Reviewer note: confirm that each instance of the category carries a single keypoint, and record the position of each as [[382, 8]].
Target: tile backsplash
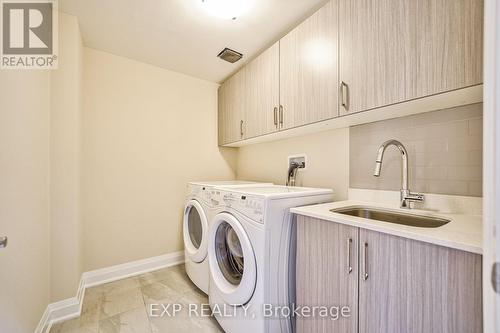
[[444, 148]]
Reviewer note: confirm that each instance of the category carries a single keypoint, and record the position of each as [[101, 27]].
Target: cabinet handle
[[281, 115], [495, 277], [349, 265], [276, 117], [365, 261], [344, 95], [241, 128]]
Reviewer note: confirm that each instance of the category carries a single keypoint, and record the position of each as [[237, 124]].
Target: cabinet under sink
[[391, 284]]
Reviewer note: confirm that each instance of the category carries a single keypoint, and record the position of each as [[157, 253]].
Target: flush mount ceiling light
[[226, 9]]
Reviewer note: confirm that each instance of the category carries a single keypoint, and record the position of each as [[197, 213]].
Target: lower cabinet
[[395, 285], [327, 273]]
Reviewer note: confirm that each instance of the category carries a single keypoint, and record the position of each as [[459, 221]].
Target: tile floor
[[123, 306]]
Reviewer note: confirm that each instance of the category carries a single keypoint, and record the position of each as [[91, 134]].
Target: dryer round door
[[195, 230], [231, 260]]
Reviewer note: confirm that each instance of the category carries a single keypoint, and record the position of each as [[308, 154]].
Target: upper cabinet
[[231, 99], [398, 50], [358, 55], [309, 69], [262, 93]]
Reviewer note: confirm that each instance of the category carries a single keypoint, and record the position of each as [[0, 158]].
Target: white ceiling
[[181, 35]]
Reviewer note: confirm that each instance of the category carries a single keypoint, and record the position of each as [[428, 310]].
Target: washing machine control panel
[[250, 206]]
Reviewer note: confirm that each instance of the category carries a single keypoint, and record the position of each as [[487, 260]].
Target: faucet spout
[[404, 159], [292, 173], [406, 195], [378, 167]]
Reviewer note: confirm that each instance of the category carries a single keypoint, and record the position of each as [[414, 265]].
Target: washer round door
[[231, 260], [195, 231]]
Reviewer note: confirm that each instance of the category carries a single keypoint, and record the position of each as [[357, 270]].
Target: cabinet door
[[309, 69], [232, 108], [327, 273], [262, 86], [417, 287], [397, 50]]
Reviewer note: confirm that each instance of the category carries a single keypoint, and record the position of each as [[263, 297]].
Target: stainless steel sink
[[413, 220]]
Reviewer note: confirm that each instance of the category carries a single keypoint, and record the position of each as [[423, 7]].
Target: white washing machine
[[251, 255], [197, 216]]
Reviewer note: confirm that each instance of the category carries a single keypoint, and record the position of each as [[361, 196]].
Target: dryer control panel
[[206, 196], [215, 198], [250, 206], [200, 192], [193, 190]]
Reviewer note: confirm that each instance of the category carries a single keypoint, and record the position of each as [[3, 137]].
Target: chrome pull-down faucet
[[406, 195]]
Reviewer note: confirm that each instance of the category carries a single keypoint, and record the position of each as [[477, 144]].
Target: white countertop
[[464, 232]]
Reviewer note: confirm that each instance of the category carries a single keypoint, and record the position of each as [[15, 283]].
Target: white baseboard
[[72, 307]]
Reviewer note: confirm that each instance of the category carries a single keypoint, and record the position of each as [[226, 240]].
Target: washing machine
[[197, 216], [251, 256]]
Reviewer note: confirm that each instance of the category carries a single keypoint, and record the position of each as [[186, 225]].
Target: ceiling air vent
[[230, 55]]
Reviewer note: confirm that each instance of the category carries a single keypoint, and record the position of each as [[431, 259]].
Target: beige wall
[[327, 157], [39, 195], [444, 148], [65, 117], [146, 132], [24, 198]]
